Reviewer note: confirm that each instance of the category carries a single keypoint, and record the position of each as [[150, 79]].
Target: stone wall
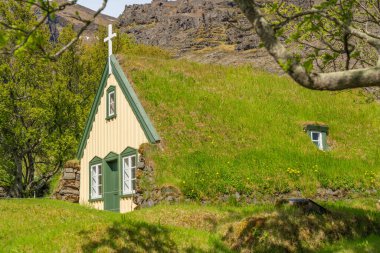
[[68, 188], [147, 192]]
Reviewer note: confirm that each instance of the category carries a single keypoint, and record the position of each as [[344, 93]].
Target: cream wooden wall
[[114, 135]]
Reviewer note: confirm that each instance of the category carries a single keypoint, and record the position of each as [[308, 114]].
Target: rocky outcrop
[[147, 192], [188, 24], [68, 188]]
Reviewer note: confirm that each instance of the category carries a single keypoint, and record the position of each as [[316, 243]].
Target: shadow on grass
[[369, 244], [131, 236], [136, 236], [291, 230]]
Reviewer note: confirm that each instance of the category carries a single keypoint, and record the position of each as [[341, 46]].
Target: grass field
[[43, 225], [235, 129]]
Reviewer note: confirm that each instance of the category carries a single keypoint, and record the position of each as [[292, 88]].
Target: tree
[[42, 103], [24, 33], [333, 45]]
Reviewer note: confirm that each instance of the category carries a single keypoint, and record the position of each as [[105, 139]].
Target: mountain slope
[[67, 17]]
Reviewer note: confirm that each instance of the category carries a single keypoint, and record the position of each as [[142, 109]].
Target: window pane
[[126, 161], [315, 136], [100, 190], [133, 161], [111, 98], [100, 179], [133, 172], [99, 169], [126, 174], [133, 185]]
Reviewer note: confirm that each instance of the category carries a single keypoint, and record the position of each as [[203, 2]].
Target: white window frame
[[128, 181], [94, 170], [319, 142], [110, 114]]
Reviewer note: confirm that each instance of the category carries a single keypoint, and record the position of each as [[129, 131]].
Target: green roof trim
[[134, 102], [96, 160], [130, 95], [111, 156], [128, 151]]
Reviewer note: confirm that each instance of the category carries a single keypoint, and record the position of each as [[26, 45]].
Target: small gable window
[[318, 135], [96, 183], [111, 102], [129, 161]]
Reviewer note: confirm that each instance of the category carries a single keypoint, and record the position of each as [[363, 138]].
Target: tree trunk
[[31, 171], [17, 191]]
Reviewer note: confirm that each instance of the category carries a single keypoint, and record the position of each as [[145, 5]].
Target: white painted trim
[[95, 169], [110, 114], [127, 169], [319, 140]]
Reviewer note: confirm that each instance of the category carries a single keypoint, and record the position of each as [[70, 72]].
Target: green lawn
[[43, 225], [228, 129]]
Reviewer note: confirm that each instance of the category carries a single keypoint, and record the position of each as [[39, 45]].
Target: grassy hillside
[[228, 129], [31, 225]]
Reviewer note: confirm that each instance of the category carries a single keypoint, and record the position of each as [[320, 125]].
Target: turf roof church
[[115, 129]]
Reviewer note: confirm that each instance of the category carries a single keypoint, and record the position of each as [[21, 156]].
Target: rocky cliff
[[191, 24], [186, 25]]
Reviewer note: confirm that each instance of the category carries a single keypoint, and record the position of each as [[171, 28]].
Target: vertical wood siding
[[126, 205], [114, 135]]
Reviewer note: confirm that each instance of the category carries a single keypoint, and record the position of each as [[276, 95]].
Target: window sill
[[95, 200], [127, 195], [110, 117]]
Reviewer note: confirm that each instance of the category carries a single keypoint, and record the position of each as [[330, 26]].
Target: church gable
[[127, 93]]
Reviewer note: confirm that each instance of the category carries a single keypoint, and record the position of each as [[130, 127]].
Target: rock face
[[69, 184], [188, 24]]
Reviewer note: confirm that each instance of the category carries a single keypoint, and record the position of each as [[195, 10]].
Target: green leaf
[[308, 65]]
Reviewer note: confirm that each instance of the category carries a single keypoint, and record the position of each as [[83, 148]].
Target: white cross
[[109, 40]]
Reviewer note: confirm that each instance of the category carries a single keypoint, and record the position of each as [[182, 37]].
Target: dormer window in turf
[[111, 102], [318, 135]]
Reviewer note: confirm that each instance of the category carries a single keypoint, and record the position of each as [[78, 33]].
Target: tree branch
[[318, 81], [74, 40], [50, 10]]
